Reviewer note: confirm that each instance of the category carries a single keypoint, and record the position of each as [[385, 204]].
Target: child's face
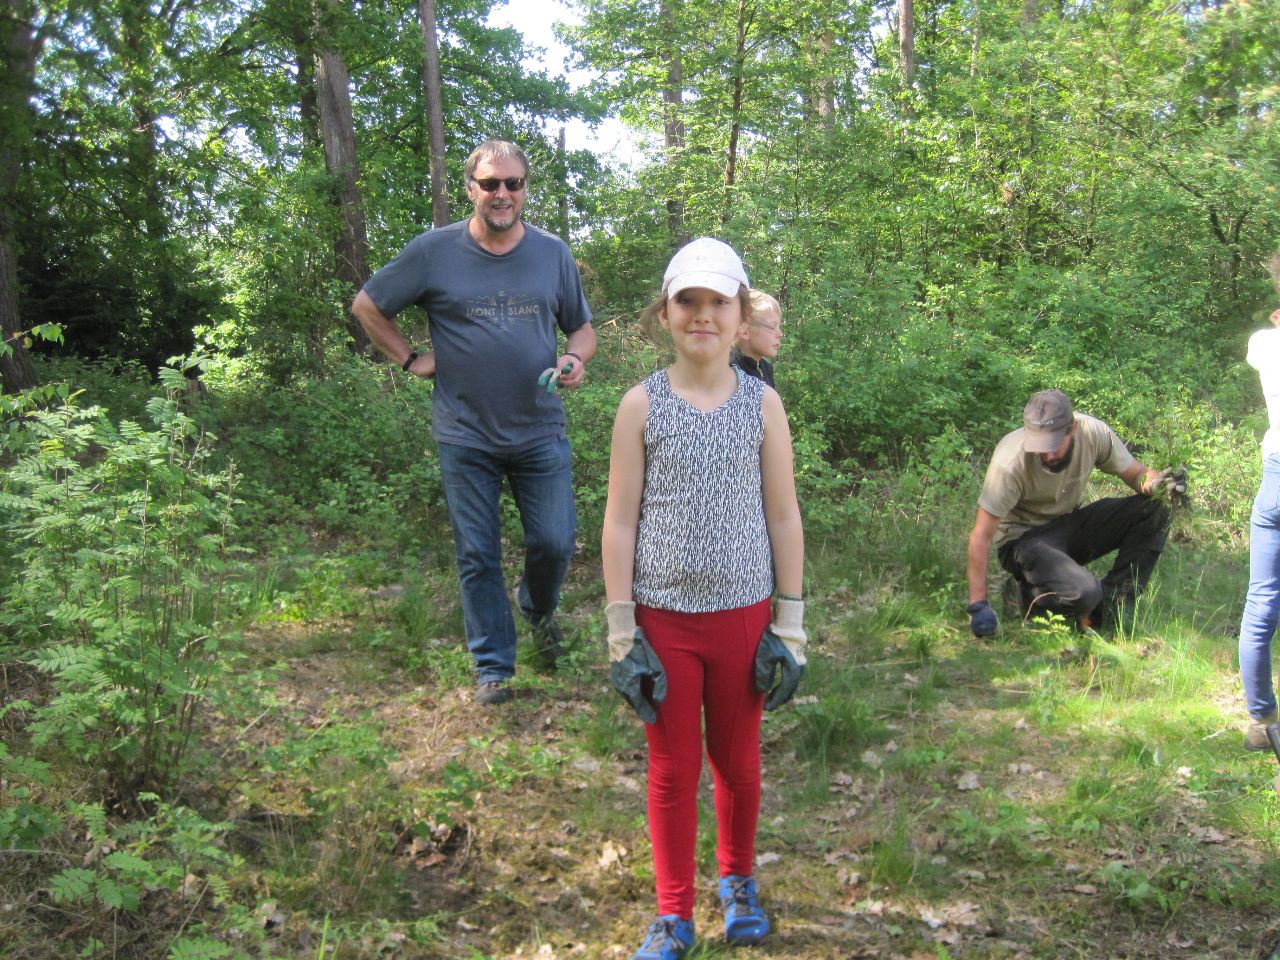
[[763, 335], [703, 324]]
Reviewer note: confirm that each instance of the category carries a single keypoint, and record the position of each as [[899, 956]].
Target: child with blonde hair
[[701, 526], [759, 340]]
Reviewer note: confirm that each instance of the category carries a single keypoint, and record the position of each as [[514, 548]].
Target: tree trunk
[[337, 130], [435, 112], [18, 45], [827, 85], [562, 153], [673, 122], [975, 44], [16, 372], [907, 40], [308, 108], [735, 110]]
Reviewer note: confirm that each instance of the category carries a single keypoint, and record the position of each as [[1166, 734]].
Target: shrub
[[123, 543]]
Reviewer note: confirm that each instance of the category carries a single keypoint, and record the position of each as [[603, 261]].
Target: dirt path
[[913, 808]]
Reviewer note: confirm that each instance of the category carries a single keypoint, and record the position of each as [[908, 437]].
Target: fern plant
[[123, 546]]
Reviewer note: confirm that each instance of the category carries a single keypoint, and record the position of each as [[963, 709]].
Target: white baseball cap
[[705, 262]]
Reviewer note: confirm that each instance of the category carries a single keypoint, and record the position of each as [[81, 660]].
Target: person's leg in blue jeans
[[542, 485], [1262, 603], [472, 482]]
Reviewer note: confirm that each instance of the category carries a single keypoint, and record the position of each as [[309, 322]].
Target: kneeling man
[[1030, 510]]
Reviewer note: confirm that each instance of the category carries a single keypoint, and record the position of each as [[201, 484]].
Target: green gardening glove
[[781, 654], [634, 669], [549, 380]]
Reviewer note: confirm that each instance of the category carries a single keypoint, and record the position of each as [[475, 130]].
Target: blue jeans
[[542, 487], [1262, 604]]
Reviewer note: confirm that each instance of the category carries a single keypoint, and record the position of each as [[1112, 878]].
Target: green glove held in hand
[[549, 379], [633, 665], [781, 653]]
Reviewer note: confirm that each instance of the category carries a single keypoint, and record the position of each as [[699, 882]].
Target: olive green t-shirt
[[1025, 494]]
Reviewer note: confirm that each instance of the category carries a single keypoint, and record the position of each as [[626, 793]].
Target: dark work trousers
[[1048, 562]]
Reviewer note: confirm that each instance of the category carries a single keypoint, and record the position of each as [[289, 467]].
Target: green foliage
[[1077, 196], [124, 542], [1001, 828], [350, 451], [14, 407], [837, 726], [24, 821], [503, 766], [175, 855], [1137, 891], [199, 948], [121, 387]]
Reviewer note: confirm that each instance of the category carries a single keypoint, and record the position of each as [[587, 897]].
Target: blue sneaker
[[744, 921], [668, 939]]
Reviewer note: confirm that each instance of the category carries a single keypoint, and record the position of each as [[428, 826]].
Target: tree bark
[[19, 45], [308, 108], [562, 153], [907, 39], [735, 111], [435, 112], [827, 85], [673, 121], [337, 131]]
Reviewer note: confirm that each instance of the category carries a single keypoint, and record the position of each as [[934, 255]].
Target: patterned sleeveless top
[[701, 544]]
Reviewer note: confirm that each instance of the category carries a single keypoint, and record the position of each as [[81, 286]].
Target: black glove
[[633, 665], [781, 652], [1171, 483], [774, 656], [982, 619], [1177, 487]]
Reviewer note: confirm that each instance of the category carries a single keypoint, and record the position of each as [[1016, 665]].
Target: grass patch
[[1030, 795]]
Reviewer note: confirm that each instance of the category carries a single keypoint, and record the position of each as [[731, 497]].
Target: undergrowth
[[223, 739]]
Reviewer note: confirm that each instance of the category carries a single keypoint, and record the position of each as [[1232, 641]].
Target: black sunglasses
[[490, 184]]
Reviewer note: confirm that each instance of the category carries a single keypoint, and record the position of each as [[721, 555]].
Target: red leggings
[[708, 658]]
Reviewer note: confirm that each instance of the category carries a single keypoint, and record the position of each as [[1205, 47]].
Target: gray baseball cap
[[1046, 421]]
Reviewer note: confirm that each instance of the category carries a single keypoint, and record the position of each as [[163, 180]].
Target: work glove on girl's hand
[[632, 662], [781, 651], [982, 619]]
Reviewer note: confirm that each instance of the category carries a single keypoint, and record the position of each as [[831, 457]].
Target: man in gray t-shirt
[[496, 292], [1029, 509]]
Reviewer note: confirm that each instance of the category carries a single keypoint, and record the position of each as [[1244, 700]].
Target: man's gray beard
[[499, 227]]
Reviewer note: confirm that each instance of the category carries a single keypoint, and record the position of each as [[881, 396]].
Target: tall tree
[[19, 44], [435, 112], [907, 40], [735, 109], [338, 133], [673, 119]]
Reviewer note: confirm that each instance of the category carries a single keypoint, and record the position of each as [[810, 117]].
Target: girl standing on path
[[701, 524]]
